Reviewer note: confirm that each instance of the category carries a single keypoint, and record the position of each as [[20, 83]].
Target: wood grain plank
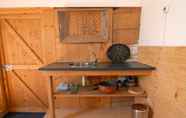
[[23, 40], [165, 87], [126, 24]]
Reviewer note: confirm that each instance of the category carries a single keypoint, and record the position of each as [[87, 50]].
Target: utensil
[[136, 90], [106, 87], [118, 53], [74, 88], [62, 87]]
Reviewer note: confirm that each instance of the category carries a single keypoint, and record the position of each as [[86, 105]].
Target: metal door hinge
[[7, 67]]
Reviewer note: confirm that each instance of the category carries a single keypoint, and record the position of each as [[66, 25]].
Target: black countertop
[[66, 66]]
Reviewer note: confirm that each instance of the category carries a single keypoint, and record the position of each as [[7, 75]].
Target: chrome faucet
[[95, 60]]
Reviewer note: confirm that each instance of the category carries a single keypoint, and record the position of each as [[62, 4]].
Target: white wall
[[152, 18], [68, 3], [176, 24], [161, 29]]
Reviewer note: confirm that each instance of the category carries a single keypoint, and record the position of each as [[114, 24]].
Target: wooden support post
[[51, 98]]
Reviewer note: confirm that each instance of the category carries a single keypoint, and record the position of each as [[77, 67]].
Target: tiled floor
[[25, 115]]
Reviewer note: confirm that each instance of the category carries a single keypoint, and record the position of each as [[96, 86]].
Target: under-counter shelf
[[88, 92], [64, 69]]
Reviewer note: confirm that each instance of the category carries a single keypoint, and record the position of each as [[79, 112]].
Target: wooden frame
[[83, 36], [24, 10]]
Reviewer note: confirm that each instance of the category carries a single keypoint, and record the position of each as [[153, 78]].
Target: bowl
[[106, 89]]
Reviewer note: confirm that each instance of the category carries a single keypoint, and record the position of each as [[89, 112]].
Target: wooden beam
[[7, 11], [101, 73], [25, 67]]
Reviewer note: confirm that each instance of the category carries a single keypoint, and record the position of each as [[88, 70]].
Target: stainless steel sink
[[82, 64], [78, 65]]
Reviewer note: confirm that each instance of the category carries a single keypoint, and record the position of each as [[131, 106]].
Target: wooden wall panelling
[[166, 87], [126, 24], [79, 52], [34, 37], [49, 35]]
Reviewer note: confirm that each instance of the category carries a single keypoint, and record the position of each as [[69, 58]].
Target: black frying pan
[[118, 53]]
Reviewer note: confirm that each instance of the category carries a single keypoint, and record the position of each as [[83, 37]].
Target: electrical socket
[[134, 52], [134, 49], [166, 9]]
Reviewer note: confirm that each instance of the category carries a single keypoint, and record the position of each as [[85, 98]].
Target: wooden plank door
[[24, 53]]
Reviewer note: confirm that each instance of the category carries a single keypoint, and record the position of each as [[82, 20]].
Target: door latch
[[7, 67]]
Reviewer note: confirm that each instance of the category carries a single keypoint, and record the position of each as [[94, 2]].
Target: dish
[[118, 53]]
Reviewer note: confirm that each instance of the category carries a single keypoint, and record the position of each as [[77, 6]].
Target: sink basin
[[82, 64]]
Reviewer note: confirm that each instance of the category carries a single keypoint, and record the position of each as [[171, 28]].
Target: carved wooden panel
[[84, 25]]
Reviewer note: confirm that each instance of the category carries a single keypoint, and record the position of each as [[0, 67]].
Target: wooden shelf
[[87, 92], [101, 73]]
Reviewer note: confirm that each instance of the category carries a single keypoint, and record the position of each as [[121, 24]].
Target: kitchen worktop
[[84, 70], [67, 66]]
